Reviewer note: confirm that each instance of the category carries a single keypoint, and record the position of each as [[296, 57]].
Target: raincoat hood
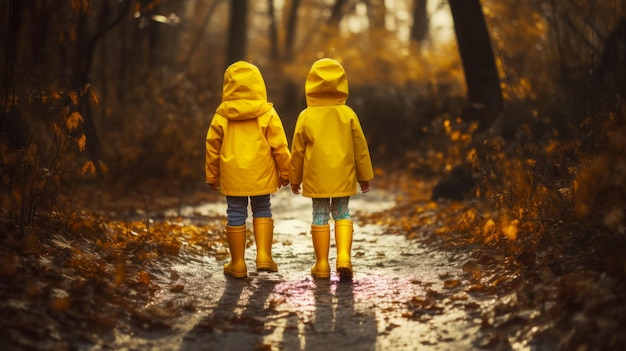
[[326, 84], [244, 95]]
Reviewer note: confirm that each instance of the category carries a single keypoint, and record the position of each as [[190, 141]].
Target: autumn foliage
[[96, 145], [542, 223]]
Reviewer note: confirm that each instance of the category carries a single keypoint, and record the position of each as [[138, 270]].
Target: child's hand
[[215, 186], [295, 188], [284, 182], [365, 186]]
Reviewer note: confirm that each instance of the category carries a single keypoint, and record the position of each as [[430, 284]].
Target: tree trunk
[[609, 79], [12, 131], [85, 48], [481, 76], [236, 50], [292, 21], [194, 45], [273, 32], [419, 29], [376, 13], [155, 53], [337, 14]]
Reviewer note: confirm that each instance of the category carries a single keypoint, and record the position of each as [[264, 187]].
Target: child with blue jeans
[[247, 158]]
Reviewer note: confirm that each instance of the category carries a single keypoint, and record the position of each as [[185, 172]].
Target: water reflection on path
[[290, 310]]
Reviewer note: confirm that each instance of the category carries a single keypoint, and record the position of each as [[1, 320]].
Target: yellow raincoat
[[246, 146], [329, 152]]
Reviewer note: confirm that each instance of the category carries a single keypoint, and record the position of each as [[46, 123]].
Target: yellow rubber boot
[[263, 237], [343, 240], [321, 245], [236, 237]]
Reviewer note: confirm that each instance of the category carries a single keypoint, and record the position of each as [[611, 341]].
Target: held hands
[[295, 188], [365, 186]]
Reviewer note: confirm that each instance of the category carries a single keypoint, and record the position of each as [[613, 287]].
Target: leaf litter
[[559, 295], [76, 287], [73, 287]]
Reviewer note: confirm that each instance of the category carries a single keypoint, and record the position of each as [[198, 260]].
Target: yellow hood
[[244, 95], [326, 84]]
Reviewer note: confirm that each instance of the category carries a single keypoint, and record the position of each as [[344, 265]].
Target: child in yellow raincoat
[[329, 154], [247, 157]]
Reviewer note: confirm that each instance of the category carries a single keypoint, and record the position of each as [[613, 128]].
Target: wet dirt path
[[398, 299]]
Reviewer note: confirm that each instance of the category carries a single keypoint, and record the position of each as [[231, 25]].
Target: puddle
[[290, 310]]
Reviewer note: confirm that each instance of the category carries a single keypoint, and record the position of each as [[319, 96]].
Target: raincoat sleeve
[[214, 138], [277, 140], [298, 146], [362, 159]]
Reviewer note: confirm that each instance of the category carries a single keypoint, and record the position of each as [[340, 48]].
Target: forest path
[[404, 295]]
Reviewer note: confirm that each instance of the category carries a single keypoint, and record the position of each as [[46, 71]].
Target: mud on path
[[404, 296]]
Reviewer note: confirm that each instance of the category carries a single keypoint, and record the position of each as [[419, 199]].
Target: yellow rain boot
[[343, 240], [236, 237], [321, 245], [263, 236]]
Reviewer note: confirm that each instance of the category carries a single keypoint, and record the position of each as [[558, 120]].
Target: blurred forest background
[[126, 89], [515, 107], [525, 99]]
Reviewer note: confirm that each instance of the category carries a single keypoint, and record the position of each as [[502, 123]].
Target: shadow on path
[[237, 322], [290, 310]]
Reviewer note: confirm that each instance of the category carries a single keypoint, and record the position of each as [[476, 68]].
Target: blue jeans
[[237, 210], [337, 206]]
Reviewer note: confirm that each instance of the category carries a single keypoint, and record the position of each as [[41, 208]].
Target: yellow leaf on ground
[[144, 277], [489, 227], [510, 230], [61, 304], [451, 283]]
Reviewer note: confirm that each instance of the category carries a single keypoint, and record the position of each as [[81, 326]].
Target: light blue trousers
[[323, 208]]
